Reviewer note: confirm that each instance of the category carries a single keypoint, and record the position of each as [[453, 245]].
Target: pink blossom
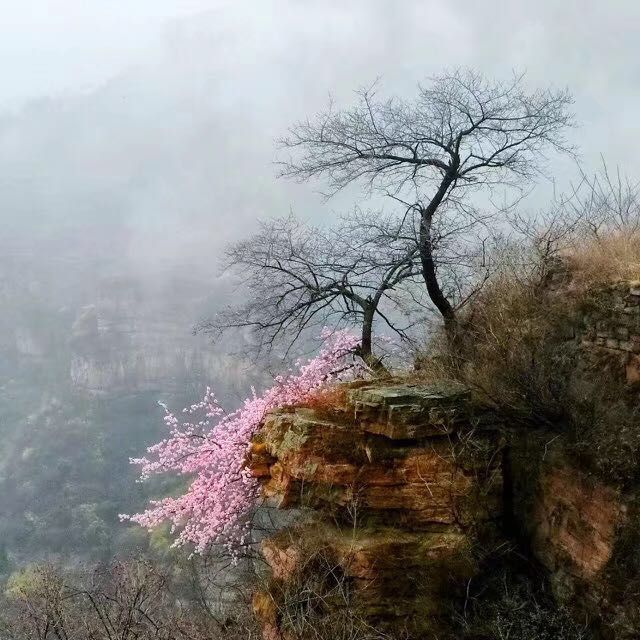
[[211, 446]]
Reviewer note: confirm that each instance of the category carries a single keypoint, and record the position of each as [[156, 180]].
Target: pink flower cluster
[[211, 446]]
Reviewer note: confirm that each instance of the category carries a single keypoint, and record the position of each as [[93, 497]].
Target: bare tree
[[461, 134], [599, 206], [124, 600], [299, 276], [606, 201]]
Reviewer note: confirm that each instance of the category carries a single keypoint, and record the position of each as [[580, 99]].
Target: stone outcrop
[[576, 530], [403, 481], [399, 485], [580, 528], [575, 523], [612, 327]]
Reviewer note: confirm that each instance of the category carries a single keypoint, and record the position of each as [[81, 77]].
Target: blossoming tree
[[210, 446]]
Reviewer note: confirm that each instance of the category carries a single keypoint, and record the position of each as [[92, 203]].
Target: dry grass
[[514, 352], [123, 599], [326, 399], [512, 604], [315, 601], [596, 260], [518, 353]]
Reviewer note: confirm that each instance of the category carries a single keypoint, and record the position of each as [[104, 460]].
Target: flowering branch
[[217, 505]]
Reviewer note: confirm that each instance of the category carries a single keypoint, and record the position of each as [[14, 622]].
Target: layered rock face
[[131, 340], [575, 523], [578, 531], [581, 527], [403, 481]]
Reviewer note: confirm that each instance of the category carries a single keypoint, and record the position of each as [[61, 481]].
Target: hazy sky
[[148, 125], [53, 46]]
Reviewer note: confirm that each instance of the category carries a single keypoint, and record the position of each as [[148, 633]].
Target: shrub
[[519, 349], [316, 600], [511, 600], [514, 351], [124, 599]]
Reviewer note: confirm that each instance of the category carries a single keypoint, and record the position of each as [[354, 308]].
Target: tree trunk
[[366, 344], [429, 272]]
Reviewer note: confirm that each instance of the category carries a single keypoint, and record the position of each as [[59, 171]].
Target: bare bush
[[513, 606], [123, 600], [520, 350], [317, 600]]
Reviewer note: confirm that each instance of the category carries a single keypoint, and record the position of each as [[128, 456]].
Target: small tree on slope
[[210, 446]]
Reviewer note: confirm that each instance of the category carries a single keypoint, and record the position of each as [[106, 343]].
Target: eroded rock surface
[[577, 530], [403, 480], [577, 519]]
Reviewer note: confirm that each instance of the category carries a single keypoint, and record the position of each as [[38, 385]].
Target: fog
[[147, 132], [137, 139]]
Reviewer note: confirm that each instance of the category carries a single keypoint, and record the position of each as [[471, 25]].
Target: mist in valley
[[136, 142]]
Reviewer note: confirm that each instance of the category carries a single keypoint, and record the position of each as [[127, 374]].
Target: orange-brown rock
[[265, 609], [259, 459], [424, 481], [576, 522], [400, 477], [582, 530], [390, 575], [282, 555]]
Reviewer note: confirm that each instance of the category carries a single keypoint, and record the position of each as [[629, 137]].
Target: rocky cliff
[[82, 325], [406, 488], [131, 340], [403, 481]]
